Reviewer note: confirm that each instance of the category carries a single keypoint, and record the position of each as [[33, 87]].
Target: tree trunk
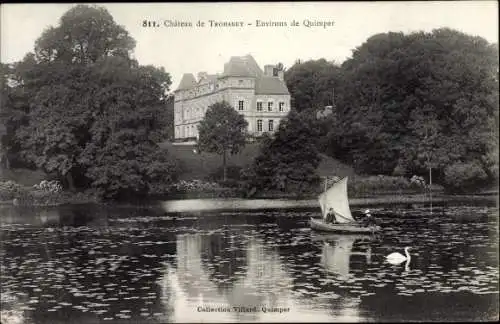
[[4, 160], [69, 179], [224, 167]]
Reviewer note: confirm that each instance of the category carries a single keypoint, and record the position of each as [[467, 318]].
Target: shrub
[[417, 181], [49, 186], [10, 190], [370, 185], [464, 176], [194, 186]]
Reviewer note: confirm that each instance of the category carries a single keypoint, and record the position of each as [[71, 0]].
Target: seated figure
[[368, 220], [330, 216]]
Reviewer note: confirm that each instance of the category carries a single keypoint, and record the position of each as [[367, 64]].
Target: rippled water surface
[[143, 265]]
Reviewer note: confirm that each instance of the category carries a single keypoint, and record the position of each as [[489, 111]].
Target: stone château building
[[260, 96]]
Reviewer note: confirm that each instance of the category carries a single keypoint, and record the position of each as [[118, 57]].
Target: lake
[[97, 264]]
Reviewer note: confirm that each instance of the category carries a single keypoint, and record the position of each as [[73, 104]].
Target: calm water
[[131, 265]]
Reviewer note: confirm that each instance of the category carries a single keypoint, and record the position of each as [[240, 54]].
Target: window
[[241, 104], [270, 106], [259, 105], [259, 125], [271, 125], [240, 81], [282, 106]]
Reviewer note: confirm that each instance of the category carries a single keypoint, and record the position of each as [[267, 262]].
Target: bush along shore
[[46, 193], [388, 189]]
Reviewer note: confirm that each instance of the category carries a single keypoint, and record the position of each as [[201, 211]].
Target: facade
[[260, 96]]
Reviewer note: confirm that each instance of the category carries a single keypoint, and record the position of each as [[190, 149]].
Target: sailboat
[[336, 198]]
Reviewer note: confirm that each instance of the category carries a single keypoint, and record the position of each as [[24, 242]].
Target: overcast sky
[[184, 49]]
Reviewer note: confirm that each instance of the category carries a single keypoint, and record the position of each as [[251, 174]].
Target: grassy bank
[[201, 166]]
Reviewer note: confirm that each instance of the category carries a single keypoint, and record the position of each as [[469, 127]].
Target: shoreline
[[215, 204], [189, 205]]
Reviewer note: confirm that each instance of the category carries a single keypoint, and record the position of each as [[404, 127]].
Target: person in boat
[[368, 220], [331, 216]]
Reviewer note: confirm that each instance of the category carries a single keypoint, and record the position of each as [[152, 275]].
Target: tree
[[19, 81], [288, 160], [165, 120], [86, 108], [4, 117], [397, 86], [312, 83], [222, 131], [85, 35]]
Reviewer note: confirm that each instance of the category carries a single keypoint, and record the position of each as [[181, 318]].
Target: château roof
[[270, 85], [244, 66], [188, 81], [240, 66]]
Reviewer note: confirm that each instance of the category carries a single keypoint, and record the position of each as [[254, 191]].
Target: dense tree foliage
[[409, 102], [4, 101], [83, 109], [312, 83], [288, 160], [85, 35], [222, 131]]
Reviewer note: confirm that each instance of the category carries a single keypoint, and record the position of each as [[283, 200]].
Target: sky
[[193, 49]]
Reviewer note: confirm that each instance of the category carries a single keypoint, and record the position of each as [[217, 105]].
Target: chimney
[[202, 75], [268, 69]]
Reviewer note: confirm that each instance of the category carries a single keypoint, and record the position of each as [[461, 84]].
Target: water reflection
[[337, 251], [260, 280]]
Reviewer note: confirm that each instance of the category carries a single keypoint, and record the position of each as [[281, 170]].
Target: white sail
[[336, 198]]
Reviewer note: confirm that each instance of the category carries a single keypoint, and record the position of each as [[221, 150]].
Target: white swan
[[397, 258]]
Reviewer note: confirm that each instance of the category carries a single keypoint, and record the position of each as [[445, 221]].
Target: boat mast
[[429, 165]]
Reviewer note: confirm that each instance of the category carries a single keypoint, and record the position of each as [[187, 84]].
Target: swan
[[397, 258]]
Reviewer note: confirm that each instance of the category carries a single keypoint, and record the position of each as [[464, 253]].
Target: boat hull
[[320, 225]]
